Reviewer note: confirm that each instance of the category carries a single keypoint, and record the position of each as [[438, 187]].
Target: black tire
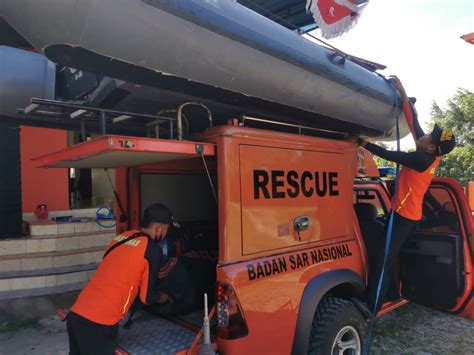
[[337, 318]]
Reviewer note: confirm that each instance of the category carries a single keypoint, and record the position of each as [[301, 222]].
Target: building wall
[[48, 186], [10, 182]]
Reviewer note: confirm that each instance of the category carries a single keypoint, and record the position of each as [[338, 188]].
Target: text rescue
[[280, 184]]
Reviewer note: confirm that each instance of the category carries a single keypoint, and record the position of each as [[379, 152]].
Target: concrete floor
[[18, 309], [48, 338]]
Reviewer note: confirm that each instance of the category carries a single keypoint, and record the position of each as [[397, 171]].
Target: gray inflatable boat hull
[[218, 43]]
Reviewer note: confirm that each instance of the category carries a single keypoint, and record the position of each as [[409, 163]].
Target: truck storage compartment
[[190, 268], [172, 173]]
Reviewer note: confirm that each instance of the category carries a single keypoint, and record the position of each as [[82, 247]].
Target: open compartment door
[[436, 262], [122, 151]]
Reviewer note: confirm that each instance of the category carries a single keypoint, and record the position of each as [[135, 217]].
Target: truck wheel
[[338, 328]]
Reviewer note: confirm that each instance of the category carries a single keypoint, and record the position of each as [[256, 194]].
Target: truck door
[[436, 262], [121, 153]]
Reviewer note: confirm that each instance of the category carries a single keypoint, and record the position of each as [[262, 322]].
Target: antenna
[[206, 346]]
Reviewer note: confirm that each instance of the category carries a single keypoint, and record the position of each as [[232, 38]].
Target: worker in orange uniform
[[129, 268], [418, 169]]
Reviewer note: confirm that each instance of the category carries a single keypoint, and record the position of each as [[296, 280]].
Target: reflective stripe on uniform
[[404, 200], [128, 300]]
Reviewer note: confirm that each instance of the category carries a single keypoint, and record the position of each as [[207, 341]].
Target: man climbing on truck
[[415, 177], [130, 266]]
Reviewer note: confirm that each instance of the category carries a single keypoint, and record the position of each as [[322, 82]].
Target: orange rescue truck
[[294, 222]]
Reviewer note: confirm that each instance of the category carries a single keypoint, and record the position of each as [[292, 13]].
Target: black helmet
[[157, 213]]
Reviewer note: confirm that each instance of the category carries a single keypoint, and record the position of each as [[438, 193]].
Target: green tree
[[459, 118], [459, 164]]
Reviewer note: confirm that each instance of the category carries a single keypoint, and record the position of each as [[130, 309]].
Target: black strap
[[117, 197], [123, 241]]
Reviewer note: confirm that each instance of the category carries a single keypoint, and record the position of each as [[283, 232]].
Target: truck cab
[[438, 255], [293, 222]]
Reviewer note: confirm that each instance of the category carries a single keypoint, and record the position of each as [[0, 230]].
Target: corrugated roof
[[289, 13]]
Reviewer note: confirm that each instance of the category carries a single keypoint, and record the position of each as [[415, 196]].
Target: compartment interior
[[191, 255]]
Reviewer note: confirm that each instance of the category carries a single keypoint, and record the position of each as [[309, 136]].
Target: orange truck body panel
[[270, 291], [266, 180], [261, 256], [258, 246], [366, 166], [470, 193], [244, 153]]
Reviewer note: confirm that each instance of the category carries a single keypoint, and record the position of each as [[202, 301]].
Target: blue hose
[[109, 216], [387, 249]]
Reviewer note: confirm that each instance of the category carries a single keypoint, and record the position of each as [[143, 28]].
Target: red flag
[[334, 17], [469, 38]]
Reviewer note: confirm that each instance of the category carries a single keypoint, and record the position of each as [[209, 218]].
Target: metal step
[[151, 335]]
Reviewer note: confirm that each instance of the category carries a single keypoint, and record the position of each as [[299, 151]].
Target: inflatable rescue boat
[[215, 50]]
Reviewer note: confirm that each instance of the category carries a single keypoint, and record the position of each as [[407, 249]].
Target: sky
[[419, 41]]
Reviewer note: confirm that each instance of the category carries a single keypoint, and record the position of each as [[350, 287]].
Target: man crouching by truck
[[129, 267], [414, 180]]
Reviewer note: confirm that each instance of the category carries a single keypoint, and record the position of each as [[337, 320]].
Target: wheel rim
[[346, 342]]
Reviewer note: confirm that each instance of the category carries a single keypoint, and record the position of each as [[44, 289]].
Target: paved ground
[[48, 337], [417, 330], [410, 330]]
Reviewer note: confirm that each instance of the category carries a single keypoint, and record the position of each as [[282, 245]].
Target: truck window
[[371, 215], [439, 212], [372, 197]]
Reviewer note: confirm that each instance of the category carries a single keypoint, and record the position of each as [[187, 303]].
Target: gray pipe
[[180, 116]]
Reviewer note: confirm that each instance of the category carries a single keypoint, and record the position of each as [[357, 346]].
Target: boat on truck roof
[[231, 58]]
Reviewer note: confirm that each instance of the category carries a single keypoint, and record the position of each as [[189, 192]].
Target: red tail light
[[120, 351], [230, 318]]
